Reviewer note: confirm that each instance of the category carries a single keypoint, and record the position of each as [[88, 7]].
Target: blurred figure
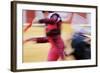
[[53, 32], [81, 45]]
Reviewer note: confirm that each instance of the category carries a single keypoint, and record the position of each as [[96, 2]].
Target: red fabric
[[82, 14], [57, 48], [30, 15], [57, 44]]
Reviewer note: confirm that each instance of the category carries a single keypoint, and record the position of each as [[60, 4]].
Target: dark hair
[[58, 16], [54, 15], [47, 11]]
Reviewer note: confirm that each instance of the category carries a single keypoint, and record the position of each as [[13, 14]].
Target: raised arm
[[27, 27], [47, 21], [37, 40]]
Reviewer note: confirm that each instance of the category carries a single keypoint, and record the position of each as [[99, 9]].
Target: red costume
[[53, 32]]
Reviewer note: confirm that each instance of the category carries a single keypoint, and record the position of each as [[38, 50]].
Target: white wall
[[5, 38], [84, 2]]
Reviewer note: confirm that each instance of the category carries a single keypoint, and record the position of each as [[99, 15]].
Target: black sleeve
[[47, 21], [42, 40]]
